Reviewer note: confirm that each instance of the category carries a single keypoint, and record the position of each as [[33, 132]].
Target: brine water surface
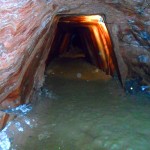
[[81, 108]]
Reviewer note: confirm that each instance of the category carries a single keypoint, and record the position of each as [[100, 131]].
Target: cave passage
[[84, 36], [79, 107]]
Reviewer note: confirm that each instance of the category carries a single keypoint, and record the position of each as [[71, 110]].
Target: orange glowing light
[[102, 50]]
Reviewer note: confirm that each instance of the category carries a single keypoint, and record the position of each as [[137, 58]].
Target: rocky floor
[[80, 108]]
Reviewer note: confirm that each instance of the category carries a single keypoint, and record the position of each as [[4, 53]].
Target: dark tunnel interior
[[84, 36]]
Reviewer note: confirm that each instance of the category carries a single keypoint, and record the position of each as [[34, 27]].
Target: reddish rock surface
[[27, 29]]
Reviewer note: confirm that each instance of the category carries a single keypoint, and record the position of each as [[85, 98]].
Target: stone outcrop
[[27, 29]]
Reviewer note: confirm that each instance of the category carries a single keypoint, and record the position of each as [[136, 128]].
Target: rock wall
[[26, 33]]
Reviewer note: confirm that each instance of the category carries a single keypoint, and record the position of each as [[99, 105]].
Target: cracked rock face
[[26, 33]]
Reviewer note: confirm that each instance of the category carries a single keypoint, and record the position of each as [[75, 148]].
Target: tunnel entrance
[[85, 36]]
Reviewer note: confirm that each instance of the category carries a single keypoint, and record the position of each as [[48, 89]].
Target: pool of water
[[81, 108]]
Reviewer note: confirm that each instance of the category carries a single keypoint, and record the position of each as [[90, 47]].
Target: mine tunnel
[[88, 36], [74, 75]]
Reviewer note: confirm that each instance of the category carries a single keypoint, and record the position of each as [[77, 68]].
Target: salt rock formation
[[27, 29]]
